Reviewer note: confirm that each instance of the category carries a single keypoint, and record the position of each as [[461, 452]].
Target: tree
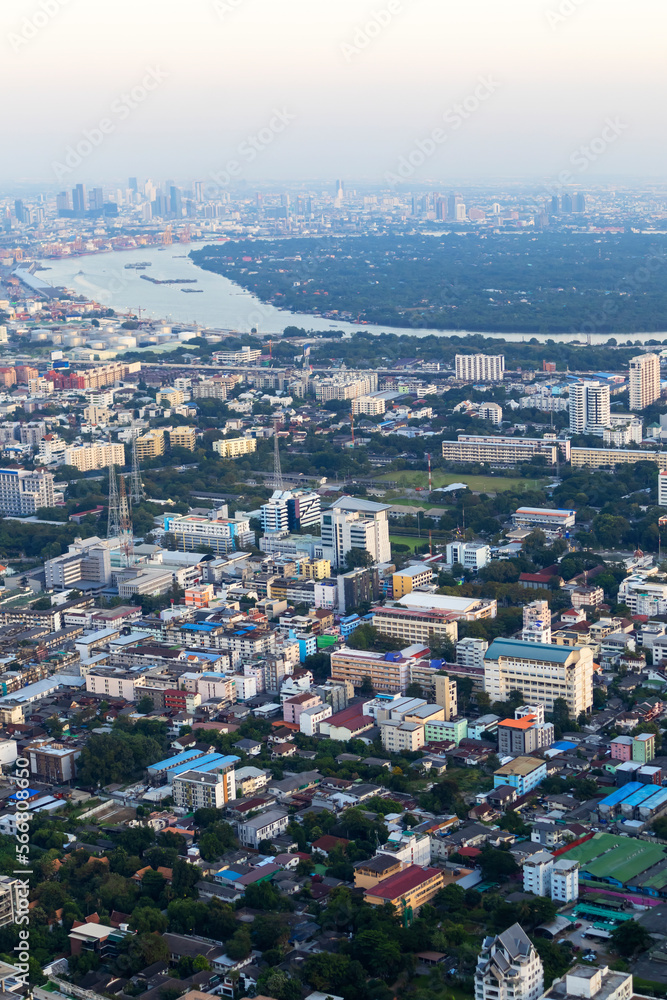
[[629, 938], [239, 945], [357, 558], [145, 705], [496, 865]]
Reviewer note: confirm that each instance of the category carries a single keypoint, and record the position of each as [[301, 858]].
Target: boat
[[192, 291]]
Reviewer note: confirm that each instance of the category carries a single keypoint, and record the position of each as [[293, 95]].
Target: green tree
[[629, 938]]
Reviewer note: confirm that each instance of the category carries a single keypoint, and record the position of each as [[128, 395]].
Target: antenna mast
[[277, 471], [137, 492], [113, 525], [126, 533]]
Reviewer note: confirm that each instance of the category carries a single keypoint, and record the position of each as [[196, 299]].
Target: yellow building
[[595, 458], [408, 890], [233, 447], [151, 444], [446, 695], [94, 456], [368, 873], [170, 397], [316, 569], [183, 437], [406, 580], [411, 625]]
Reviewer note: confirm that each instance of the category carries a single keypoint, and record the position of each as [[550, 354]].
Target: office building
[[589, 407], [22, 493], [509, 968], [404, 581], [355, 524], [408, 890], [290, 510], [644, 381], [416, 625], [552, 521], [480, 367], [94, 456], [235, 447], [387, 672], [192, 532], [86, 565], [524, 735], [470, 555], [522, 773], [369, 406], [544, 673]]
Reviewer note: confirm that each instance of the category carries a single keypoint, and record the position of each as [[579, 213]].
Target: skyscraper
[[579, 202], [132, 184], [79, 199], [96, 199], [452, 201], [644, 381], [555, 205], [20, 211], [566, 204], [589, 408], [199, 191], [480, 367], [175, 202]]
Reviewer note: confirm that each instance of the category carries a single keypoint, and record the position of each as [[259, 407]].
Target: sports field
[[620, 858], [478, 484]]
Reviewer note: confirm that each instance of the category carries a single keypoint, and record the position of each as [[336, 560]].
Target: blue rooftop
[[163, 765], [624, 792], [562, 745]]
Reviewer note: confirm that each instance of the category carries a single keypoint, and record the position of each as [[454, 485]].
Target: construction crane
[[185, 235], [167, 237]]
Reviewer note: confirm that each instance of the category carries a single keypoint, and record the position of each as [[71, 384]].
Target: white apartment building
[[222, 534], [311, 719], [409, 848], [94, 456], [537, 611], [369, 406], [470, 555], [644, 381], [662, 488], [346, 385], [203, 790], [637, 590], [401, 736], [543, 875], [10, 907], [266, 826], [355, 524], [235, 447], [565, 881], [491, 412], [509, 968], [52, 449], [480, 367], [543, 672], [245, 356], [115, 683], [470, 652], [589, 407], [624, 429], [586, 983], [537, 873], [22, 492]]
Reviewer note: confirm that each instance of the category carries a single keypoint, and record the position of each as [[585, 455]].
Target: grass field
[[478, 484], [410, 540]]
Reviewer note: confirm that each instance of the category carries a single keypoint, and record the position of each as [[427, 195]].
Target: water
[[223, 304]]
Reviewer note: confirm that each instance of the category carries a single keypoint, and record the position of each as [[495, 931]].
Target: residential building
[[52, 763], [346, 385], [151, 444], [565, 880], [491, 412], [523, 773], [22, 493], [470, 555], [170, 398], [114, 683], [439, 730], [94, 456], [509, 968], [235, 447], [408, 848], [10, 902], [639, 592], [290, 510], [445, 694], [246, 355], [355, 524], [644, 382], [544, 875], [544, 673], [369, 406], [312, 718], [217, 387], [407, 891], [410, 578], [537, 873], [183, 437], [643, 747], [204, 790], [470, 652], [589, 407], [265, 826], [399, 737], [495, 451], [480, 367], [625, 430], [597, 458], [662, 488], [524, 735], [359, 586], [390, 672]]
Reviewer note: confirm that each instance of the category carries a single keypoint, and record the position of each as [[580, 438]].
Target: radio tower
[[113, 527], [277, 471], [137, 492], [126, 534], [430, 477]]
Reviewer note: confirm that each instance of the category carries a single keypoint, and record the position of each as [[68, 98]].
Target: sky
[[415, 90]]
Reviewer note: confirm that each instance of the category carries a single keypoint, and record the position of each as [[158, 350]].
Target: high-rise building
[[23, 492], [96, 199], [542, 672], [290, 510], [79, 199], [22, 214], [132, 184], [566, 204], [544, 876], [644, 381], [509, 968], [555, 205], [579, 202], [589, 408], [63, 202], [355, 524], [480, 367]]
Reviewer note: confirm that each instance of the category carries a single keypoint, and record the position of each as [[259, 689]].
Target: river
[[222, 304]]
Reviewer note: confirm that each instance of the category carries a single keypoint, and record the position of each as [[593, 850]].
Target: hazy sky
[[362, 96]]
